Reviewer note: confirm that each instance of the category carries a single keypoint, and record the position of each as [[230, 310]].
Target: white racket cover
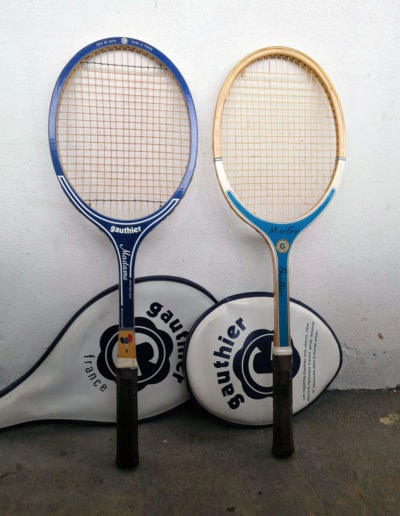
[[75, 378], [228, 359]]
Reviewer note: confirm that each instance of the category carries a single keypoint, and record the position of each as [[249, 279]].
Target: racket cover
[[228, 358], [75, 378]]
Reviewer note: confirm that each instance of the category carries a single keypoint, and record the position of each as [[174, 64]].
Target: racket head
[[278, 136], [122, 130]]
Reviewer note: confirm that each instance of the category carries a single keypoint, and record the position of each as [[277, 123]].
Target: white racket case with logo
[[228, 358], [75, 378]]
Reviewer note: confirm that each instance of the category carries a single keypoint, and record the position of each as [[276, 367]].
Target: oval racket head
[[278, 134], [122, 128]]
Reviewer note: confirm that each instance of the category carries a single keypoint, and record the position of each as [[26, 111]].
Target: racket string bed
[[123, 133], [278, 139]]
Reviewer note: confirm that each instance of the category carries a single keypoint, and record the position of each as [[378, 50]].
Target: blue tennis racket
[[123, 141], [279, 141]]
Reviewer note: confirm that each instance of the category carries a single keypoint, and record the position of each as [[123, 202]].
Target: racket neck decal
[[281, 237], [278, 231]]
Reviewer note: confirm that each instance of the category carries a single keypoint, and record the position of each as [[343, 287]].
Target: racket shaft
[[282, 445], [127, 418]]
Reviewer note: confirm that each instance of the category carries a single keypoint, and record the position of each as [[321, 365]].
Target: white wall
[[344, 266]]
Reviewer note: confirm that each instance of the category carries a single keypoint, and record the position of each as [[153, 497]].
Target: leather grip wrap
[[282, 444], [127, 418]]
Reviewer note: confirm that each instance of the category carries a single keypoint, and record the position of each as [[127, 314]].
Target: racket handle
[[127, 418], [282, 443]]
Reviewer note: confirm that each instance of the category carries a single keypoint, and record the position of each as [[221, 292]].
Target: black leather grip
[[282, 445], [127, 419]]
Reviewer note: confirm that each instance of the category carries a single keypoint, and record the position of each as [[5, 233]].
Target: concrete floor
[[347, 462]]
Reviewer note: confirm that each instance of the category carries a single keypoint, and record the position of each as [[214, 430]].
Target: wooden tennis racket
[[279, 143]]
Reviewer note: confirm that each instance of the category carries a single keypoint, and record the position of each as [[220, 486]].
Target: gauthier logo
[[247, 358], [157, 335]]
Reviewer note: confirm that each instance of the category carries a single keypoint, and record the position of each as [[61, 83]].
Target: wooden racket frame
[[299, 58], [283, 434]]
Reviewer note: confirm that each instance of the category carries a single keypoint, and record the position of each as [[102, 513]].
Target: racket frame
[[125, 236], [280, 237]]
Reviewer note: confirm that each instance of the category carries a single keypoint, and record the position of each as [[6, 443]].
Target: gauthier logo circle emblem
[[154, 349], [282, 246], [253, 362]]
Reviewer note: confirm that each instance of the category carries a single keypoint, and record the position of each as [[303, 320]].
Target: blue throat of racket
[[279, 155], [123, 141]]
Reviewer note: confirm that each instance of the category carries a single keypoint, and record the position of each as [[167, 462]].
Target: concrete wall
[[344, 266]]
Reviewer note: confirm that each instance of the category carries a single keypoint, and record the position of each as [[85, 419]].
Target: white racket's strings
[[278, 138], [123, 132]]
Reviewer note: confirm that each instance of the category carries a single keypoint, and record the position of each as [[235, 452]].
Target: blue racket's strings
[[123, 132], [278, 138]]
